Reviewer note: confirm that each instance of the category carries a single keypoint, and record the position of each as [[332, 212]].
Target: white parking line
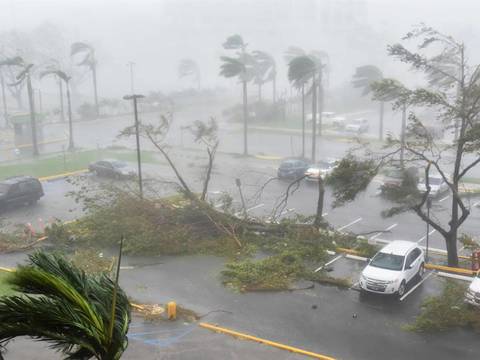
[[324, 214], [252, 208], [255, 207], [380, 233], [353, 222], [476, 204], [445, 198], [329, 263], [284, 212], [425, 236], [416, 286]]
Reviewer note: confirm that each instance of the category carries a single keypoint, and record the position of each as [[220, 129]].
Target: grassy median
[[5, 289], [59, 164]]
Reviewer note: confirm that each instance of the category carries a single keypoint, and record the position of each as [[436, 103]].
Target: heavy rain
[[243, 179]]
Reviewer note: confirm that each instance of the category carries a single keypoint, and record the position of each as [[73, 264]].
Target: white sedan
[[392, 268]]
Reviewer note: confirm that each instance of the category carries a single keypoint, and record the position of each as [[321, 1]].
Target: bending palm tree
[[64, 77], [267, 71], [363, 78], [241, 67], [62, 305], [90, 61], [25, 75], [303, 70], [188, 67]]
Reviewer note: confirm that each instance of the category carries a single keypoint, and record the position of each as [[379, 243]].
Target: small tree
[[453, 91]]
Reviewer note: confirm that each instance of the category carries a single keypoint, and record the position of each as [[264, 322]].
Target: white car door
[[412, 264]]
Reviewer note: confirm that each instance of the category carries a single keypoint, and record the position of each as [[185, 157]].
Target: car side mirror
[[409, 267]]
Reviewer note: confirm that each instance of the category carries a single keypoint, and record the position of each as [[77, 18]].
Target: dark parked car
[[112, 168], [293, 168], [20, 190]]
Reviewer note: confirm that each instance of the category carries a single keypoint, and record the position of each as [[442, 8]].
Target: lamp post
[[137, 136], [429, 205]]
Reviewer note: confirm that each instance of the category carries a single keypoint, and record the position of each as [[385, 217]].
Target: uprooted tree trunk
[[321, 198]]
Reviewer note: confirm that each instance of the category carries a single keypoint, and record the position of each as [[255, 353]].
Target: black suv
[[20, 190]]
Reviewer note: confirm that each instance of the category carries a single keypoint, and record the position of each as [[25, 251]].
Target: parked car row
[[296, 168], [27, 190], [355, 126]]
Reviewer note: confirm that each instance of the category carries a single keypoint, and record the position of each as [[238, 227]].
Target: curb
[[58, 176], [267, 157], [264, 341], [450, 269]]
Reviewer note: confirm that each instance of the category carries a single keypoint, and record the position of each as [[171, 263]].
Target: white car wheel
[[401, 289], [421, 270]]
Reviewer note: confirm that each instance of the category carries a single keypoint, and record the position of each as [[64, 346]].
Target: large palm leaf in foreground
[[62, 305]]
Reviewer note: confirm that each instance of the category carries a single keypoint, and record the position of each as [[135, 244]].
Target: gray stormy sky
[[157, 34]]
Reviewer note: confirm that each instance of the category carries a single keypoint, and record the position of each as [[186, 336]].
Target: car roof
[[16, 179], [398, 247]]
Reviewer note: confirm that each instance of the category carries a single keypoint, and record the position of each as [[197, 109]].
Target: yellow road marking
[[58, 176], [450, 269], [265, 342]]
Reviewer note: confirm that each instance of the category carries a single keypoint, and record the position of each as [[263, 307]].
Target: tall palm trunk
[[402, 135], [95, 94], [320, 105], [4, 99], [303, 121], [71, 145], [382, 110], [60, 91], [274, 82], [245, 118], [33, 124], [314, 117]]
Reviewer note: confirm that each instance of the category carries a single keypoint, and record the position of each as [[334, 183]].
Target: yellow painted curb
[[268, 157], [58, 176], [450, 269], [6, 269], [265, 342], [40, 143]]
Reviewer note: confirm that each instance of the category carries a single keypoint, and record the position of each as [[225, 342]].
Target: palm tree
[[266, 71], [188, 67], [67, 308], [90, 61], [302, 71], [242, 67], [322, 61], [25, 75], [65, 78], [363, 78]]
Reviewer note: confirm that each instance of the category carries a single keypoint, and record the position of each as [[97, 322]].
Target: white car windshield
[[387, 261]]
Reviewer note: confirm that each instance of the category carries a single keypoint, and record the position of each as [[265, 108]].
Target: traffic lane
[[319, 319]]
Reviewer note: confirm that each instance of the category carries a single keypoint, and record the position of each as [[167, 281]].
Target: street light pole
[[429, 205], [137, 136], [131, 64]]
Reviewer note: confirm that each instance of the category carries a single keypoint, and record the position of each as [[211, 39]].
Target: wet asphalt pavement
[[327, 320]]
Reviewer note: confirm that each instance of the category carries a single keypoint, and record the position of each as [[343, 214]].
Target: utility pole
[[131, 64], [4, 98], [429, 205], [137, 136]]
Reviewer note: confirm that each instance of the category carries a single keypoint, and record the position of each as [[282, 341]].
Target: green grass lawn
[[72, 162], [4, 288]]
